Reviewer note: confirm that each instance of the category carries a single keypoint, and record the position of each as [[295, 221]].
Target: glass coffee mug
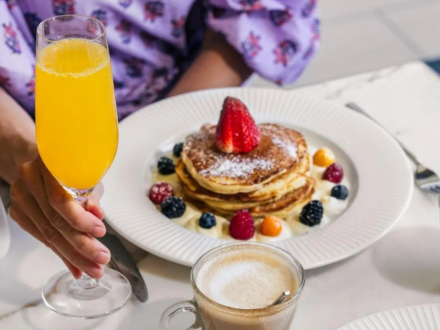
[[235, 285]]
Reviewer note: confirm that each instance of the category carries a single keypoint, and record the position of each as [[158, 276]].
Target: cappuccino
[[246, 279], [238, 283]]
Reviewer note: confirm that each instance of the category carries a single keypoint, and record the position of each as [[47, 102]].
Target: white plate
[[425, 317], [375, 165], [5, 236]]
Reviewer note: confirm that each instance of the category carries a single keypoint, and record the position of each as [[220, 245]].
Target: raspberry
[[339, 192], [166, 166], [333, 173], [173, 207], [311, 214], [159, 191], [242, 226], [177, 150], [207, 220]]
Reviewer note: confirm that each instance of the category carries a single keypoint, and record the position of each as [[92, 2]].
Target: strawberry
[[236, 129]]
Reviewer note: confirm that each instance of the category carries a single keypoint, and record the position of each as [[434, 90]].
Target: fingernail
[[103, 257], [95, 271], [98, 231]]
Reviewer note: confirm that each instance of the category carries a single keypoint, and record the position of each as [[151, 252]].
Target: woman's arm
[[218, 65], [17, 138], [275, 39]]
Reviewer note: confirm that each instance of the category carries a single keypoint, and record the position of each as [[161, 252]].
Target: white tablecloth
[[401, 269]]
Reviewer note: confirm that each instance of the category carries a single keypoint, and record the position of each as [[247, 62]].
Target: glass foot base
[[86, 298]]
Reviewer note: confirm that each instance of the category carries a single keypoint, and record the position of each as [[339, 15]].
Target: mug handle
[[181, 307]]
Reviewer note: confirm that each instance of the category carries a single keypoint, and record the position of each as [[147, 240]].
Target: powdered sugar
[[288, 146], [236, 167], [277, 151]]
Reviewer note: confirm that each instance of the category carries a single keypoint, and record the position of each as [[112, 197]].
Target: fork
[[425, 178]]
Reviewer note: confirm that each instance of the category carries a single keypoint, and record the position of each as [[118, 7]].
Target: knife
[[122, 261]]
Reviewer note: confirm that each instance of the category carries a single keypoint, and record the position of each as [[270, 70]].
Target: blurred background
[[365, 35]]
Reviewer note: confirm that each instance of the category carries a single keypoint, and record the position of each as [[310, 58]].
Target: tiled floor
[[364, 35]]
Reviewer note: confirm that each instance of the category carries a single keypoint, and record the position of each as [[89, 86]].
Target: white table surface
[[401, 269]]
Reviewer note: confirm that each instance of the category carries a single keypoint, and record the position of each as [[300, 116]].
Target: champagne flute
[[77, 137]]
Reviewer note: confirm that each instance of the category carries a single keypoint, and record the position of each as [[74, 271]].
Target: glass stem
[[86, 282], [81, 196], [82, 200]]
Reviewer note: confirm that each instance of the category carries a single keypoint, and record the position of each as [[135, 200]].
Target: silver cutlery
[[281, 298], [425, 178], [122, 261]]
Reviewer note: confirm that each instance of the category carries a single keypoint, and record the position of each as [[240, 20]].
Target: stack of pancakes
[[272, 179]]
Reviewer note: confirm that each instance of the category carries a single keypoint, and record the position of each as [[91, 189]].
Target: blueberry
[[311, 214], [339, 192], [173, 207], [165, 165], [207, 220], [177, 150]]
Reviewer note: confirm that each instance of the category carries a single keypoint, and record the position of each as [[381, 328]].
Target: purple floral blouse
[[152, 42]]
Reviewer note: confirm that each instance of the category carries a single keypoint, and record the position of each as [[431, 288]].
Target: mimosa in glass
[[77, 137], [76, 124]]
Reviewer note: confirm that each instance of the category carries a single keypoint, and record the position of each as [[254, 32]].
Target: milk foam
[[245, 279]]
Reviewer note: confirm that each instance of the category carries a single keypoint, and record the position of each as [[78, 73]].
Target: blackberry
[[207, 220], [166, 166], [173, 207], [311, 214], [339, 192], [177, 150]]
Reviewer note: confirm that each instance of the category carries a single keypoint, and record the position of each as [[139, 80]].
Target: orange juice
[[76, 123]]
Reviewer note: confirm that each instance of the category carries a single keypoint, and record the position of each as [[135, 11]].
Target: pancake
[[282, 207], [281, 185], [243, 204], [239, 205], [279, 151]]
